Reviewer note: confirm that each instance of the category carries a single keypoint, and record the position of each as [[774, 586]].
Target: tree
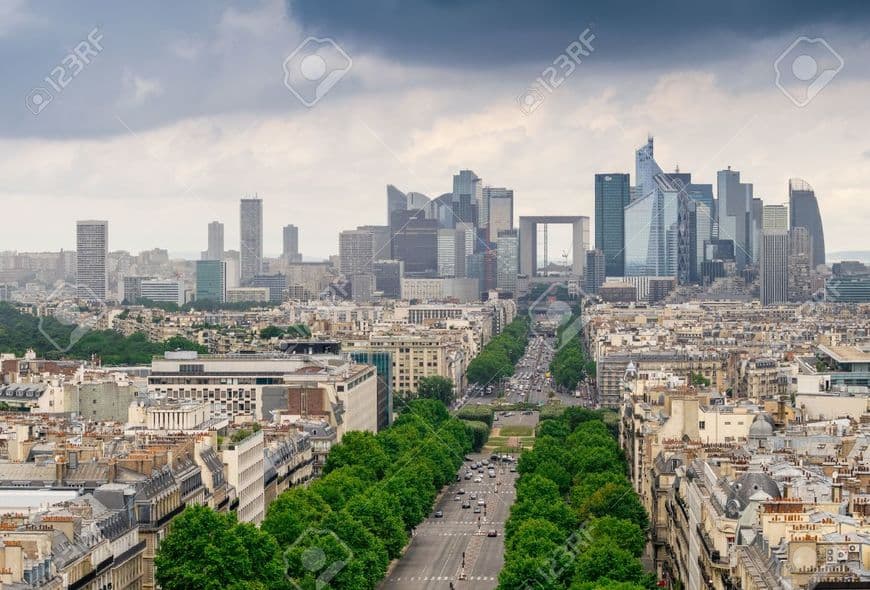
[[620, 532], [292, 512], [340, 486], [435, 387], [190, 559], [615, 499], [358, 448], [479, 432], [377, 513], [432, 412], [607, 560]]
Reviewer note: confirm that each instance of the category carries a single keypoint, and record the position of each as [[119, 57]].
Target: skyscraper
[[735, 211], [380, 240], [774, 266], [799, 255], [92, 248], [594, 276], [355, 252], [612, 196], [451, 252], [468, 199], [653, 232], [396, 201], [646, 169], [507, 260], [215, 241], [804, 212], [415, 241], [499, 203], [774, 218], [251, 243], [291, 244], [211, 280]]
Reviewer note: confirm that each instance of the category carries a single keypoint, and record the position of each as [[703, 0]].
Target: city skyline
[[146, 147]]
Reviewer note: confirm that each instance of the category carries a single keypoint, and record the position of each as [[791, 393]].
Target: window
[[701, 425]]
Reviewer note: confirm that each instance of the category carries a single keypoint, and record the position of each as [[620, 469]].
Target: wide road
[[435, 557]]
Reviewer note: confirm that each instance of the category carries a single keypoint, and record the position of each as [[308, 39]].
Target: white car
[[478, 479]]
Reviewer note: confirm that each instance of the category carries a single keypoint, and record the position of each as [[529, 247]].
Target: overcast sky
[[184, 109]]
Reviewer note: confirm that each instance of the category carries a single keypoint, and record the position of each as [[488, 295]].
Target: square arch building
[[529, 241]]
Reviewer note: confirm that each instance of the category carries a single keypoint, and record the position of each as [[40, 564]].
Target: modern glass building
[[804, 212], [646, 169], [211, 280], [652, 234], [735, 214], [612, 195], [848, 289]]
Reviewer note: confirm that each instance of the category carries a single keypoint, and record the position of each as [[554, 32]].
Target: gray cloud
[[496, 32]]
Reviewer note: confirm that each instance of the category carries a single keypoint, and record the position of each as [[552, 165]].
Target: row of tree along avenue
[[577, 523], [497, 359], [339, 532], [570, 365]]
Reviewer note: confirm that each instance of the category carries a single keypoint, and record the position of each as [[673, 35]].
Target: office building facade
[[499, 203], [774, 266], [596, 263], [735, 211], [290, 251], [92, 249], [211, 280], [355, 251], [804, 212], [163, 291], [215, 241], [507, 256], [251, 243], [612, 196]]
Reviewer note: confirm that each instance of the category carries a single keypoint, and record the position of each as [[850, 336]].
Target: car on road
[[513, 469], [492, 533], [461, 491], [468, 475], [491, 474], [457, 498], [466, 504], [477, 510], [472, 496], [481, 502], [478, 479], [439, 514]]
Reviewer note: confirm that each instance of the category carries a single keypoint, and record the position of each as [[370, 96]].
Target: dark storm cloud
[[494, 32]]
